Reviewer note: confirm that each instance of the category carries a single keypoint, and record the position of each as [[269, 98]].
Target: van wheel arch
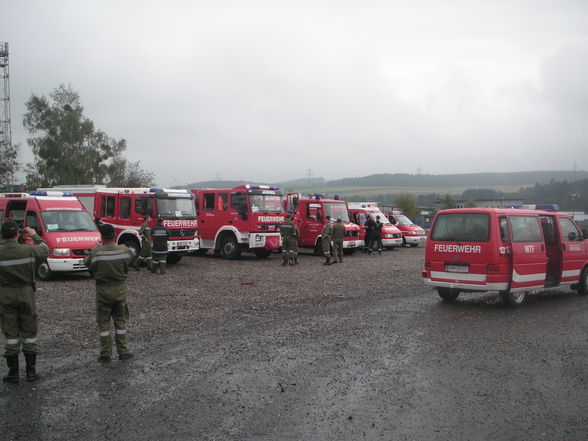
[[514, 299], [43, 271], [447, 294]]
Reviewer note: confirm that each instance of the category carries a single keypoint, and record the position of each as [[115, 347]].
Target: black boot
[[327, 260], [12, 363], [31, 360]]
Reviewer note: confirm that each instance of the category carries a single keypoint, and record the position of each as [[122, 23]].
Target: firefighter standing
[[370, 226], [159, 251], [326, 240], [338, 235], [18, 314], [289, 232], [145, 254], [376, 238], [109, 265]]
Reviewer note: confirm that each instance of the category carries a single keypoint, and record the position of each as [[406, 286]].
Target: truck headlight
[[61, 251]]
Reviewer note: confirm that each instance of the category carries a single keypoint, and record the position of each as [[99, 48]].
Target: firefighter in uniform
[[338, 235], [109, 265], [145, 254], [326, 240], [289, 232], [159, 251], [18, 315]]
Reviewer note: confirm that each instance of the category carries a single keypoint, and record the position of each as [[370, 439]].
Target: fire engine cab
[[125, 208], [512, 251], [242, 218], [359, 213], [412, 234], [61, 220], [309, 213]]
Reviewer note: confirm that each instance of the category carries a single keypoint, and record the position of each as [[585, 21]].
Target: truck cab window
[[222, 202], [108, 203], [208, 201], [125, 208]]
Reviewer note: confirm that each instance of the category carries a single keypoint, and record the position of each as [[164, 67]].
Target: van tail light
[[492, 269], [427, 265]]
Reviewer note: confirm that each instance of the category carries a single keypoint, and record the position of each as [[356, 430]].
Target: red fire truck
[[359, 211], [61, 220], [310, 212], [242, 218], [125, 208]]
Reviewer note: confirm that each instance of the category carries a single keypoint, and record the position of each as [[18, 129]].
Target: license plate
[[457, 268]]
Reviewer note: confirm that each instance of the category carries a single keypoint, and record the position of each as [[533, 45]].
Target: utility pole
[[5, 130]]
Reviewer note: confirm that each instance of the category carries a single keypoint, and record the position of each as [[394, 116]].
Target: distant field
[[352, 191]]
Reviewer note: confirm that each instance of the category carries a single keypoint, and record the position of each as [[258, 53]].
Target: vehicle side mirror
[[584, 233], [572, 236]]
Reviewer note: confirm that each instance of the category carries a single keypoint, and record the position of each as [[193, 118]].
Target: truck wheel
[[133, 245], [514, 299], [230, 248], [583, 285], [43, 271], [447, 294], [173, 258], [263, 254], [414, 245], [318, 248], [348, 251]]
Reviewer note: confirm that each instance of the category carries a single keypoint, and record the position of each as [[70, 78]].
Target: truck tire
[[173, 258], [514, 299], [447, 294], [583, 285], [348, 251], [263, 253], [43, 271], [414, 245], [230, 249], [133, 245]]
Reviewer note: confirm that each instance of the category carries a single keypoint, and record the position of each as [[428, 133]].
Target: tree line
[[69, 149]]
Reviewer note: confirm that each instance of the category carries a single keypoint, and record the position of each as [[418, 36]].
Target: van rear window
[[461, 227]]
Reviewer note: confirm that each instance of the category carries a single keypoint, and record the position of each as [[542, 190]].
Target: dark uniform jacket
[[160, 235], [109, 263], [338, 232], [17, 261]]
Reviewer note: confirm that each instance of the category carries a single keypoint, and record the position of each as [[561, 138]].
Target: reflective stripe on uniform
[[111, 257], [30, 340], [12, 341], [105, 334], [121, 331], [17, 261]]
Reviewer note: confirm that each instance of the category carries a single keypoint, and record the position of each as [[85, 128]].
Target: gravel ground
[[248, 349]]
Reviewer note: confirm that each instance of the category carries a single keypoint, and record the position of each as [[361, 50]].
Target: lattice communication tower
[[5, 133]]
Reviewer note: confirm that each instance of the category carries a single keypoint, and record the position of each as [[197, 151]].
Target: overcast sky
[[267, 90]]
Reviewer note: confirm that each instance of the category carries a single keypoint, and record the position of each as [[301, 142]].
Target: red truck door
[[573, 249], [311, 223], [206, 215], [529, 256]]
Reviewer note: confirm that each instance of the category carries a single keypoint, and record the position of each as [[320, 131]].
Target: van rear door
[[529, 255]]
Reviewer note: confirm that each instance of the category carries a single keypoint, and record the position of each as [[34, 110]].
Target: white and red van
[[125, 208], [512, 251], [61, 220], [359, 213], [310, 213], [242, 218], [412, 234]]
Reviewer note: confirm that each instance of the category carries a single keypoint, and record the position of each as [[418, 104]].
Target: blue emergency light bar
[[51, 193], [544, 207], [261, 187], [156, 190], [317, 196], [336, 197]]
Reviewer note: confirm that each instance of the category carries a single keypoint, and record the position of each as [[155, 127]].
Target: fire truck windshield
[[172, 208], [383, 218], [403, 220], [266, 202], [67, 220], [337, 210]]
